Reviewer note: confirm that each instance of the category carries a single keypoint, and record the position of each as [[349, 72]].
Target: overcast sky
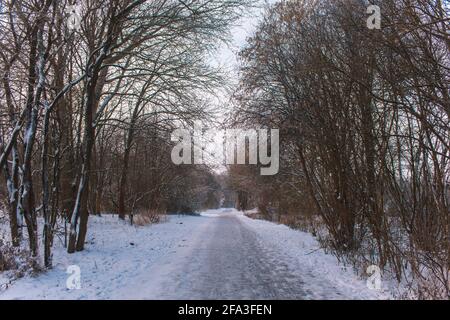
[[226, 57], [244, 28]]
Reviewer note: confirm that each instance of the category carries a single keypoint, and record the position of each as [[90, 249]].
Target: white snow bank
[[115, 253], [127, 262], [320, 270]]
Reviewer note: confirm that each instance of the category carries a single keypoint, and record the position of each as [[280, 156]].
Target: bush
[[146, 217], [7, 257]]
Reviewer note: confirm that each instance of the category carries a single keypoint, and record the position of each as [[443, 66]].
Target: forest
[[88, 107], [91, 91], [364, 131]]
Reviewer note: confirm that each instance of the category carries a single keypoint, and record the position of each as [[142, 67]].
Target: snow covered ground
[[218, 255]]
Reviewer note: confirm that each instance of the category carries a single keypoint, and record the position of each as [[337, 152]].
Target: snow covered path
[[220, 255], [227, 262]]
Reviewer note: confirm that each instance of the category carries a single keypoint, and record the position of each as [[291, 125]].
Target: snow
[[220, 254], [323, 275]]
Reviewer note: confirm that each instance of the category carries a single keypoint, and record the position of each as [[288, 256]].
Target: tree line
[[90, 92], [364, 131]]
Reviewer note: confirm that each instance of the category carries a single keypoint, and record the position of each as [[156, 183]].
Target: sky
[[226, 57], [244, 28]]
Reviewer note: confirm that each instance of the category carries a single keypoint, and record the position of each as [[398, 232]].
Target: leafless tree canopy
[[364, 122], [87, 108]]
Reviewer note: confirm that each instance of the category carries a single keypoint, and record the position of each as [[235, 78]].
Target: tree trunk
[[123, 183]]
